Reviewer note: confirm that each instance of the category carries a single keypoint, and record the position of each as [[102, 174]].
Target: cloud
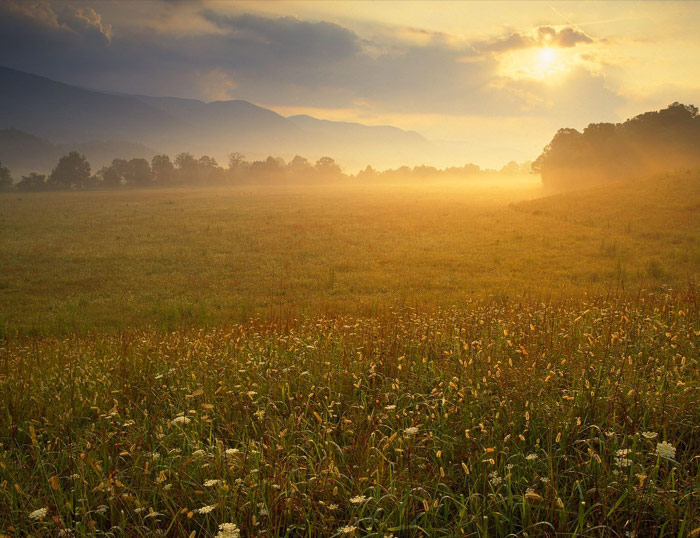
[[542, 36], [273, 61]]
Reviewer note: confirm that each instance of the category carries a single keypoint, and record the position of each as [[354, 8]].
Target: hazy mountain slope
[[66, 114], [23, 153], [383, 143]]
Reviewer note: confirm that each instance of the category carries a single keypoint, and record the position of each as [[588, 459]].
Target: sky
[[489, 81]]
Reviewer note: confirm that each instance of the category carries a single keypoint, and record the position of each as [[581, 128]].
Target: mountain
[[384, 143], [62, 113], [23, 152]]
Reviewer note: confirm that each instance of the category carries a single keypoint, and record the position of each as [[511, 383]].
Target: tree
[[32, 182], [327, 168], [72, 170], [186, 166], [114, 174], [162, 169], [235, 160], [5, 178], [138, 172]]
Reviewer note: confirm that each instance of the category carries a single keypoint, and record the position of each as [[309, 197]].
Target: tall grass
[[497, 418]]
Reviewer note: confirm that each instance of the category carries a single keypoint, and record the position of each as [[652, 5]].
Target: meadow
[[355, 360], [82, 261]]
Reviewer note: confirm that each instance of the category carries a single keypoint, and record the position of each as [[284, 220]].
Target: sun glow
[[545, 64]]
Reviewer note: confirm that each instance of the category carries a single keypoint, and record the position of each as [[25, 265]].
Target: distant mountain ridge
[[62, 113], [23, 152]]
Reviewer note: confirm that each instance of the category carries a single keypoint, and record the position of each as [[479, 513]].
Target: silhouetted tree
[[326, 168], [72, 170], [138, 172], [5, 178], [235, 160], [648, 143], [32, 182], [163, 170], [115, 174], [186, 166]]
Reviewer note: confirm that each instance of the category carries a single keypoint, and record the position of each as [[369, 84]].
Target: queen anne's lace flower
[[39, 514], [228, 530], [666, 450]]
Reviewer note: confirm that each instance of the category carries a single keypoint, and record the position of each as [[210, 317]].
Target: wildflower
[[531, 457], [39, 514], [211, 483], [413, 430], [665, 450], [347, 529], [198, 453], [232, 451], [359, 499], [332, 507], [650, 435], [390, 407], [228, 530], [494, 479], [623, 462], [180, 420], [206, 509]]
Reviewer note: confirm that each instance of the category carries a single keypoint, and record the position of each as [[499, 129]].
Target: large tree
[[72, 170], [5, 178], [163, 170]]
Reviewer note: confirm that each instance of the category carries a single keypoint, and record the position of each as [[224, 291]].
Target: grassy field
[[172, 258], [435, 360]]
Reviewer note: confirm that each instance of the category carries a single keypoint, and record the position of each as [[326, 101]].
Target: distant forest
[[646, 144], [73, 171], [649, 143]]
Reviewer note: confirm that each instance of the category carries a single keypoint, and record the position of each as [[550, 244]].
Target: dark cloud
[[281, 61]]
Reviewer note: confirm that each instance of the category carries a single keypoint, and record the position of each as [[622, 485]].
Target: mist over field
[[383, 269]]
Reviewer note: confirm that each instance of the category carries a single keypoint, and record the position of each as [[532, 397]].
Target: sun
[[543, 64]]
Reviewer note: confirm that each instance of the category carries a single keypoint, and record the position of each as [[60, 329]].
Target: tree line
[[649, 143], [73, 172]]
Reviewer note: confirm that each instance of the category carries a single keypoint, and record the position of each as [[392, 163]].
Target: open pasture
[[86, 261]]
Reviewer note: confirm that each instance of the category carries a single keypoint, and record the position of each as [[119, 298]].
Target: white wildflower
[[531, 457], [232, 451], [413, 430], [39, 514], [206, 509], [359, 499], [180, 420], [211, 483], [347, 529], [228, 530], [650, 435], [494, 478], [665, 450]]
